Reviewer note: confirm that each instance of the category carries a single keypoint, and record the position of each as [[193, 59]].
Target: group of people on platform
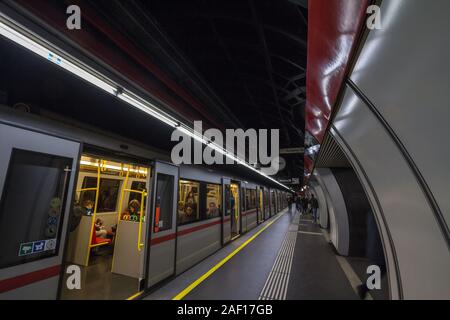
[[305, 205]]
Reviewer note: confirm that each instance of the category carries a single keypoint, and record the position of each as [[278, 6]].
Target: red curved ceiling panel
[[333, 28]]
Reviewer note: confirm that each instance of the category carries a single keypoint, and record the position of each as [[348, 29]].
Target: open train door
[[36, 184], [161, 262], [227, 210]]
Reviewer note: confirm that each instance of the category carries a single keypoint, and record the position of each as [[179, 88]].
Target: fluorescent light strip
[[149, 109], [108, 166], [49, 55], [129, 98]]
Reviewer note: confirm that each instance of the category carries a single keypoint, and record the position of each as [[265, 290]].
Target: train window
[[108, 195], [247, 199], [213, 201], [227, 200], [32, 207], [253, 198], [136, 196], [188, 205], [250, 199], [164, 202]]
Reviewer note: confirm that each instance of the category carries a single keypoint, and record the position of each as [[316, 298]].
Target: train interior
[[107, 228], [235, 212], [189, 202], [260, 205]]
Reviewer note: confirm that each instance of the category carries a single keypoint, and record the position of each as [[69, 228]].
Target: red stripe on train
[[184, 232], [245, 213], [29, 278], [197, 228]]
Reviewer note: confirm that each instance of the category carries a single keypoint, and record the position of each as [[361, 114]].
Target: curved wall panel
[[403, 70], [339, 227], [323, 206], [416, 251]]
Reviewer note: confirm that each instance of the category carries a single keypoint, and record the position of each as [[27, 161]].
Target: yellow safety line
[[134, 296], [206, 275]]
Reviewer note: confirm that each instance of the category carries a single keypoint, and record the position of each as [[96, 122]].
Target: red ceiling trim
[[334, 27], [333, 30]]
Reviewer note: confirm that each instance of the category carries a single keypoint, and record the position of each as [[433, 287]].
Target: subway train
[[118, 212]]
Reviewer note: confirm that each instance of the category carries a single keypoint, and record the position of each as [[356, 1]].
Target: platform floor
[[290, 259]]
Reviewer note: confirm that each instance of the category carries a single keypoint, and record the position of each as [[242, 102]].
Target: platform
[[287, 257]]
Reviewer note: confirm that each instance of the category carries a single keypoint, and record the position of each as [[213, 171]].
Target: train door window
[[136, 196], [164, 202], [188, 204], [108, 194], [137, 200], [213, 201], [253, 199], [235, 205], [227, 200], [247, 200], [32, 206]]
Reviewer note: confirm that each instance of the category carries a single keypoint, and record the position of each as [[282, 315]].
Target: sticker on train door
[[26, 249], [38, 246], [157, 214]]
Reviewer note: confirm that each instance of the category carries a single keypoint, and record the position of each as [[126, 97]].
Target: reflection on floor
[[98, 283]]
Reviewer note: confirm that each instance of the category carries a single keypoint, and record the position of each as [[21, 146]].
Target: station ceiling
[[236, 63]]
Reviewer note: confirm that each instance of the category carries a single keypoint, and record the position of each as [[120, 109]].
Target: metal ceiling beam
[[142, 21], [235, 69], [266, 82], [288, 61], [259, 27], [302, 16], [216, 16]]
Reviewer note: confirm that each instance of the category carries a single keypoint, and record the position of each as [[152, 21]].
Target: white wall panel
[[404, 70], [339, 227], [414, 244]]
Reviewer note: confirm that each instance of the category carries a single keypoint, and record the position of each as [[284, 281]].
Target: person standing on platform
[[314, 207], [298, 204], [305, 205], [290, 204]]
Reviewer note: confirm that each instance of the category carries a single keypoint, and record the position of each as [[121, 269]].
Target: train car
[[115, 209]]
